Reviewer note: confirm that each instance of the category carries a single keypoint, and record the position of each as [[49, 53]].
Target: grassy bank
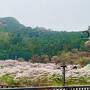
[[51, 80]]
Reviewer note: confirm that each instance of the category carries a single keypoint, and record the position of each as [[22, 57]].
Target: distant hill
[[10, 24], [17, 40]]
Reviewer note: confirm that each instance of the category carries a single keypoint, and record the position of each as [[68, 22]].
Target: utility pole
[[63, 73]]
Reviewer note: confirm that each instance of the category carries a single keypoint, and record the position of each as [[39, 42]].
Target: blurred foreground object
[[86, 34]]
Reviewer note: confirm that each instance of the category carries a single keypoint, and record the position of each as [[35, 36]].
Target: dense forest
[[19, 41]]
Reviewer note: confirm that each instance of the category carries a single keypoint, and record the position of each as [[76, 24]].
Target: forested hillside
[[17, 40]]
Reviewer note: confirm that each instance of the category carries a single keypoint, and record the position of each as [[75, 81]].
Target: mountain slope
[[18, 40], [10, 24]]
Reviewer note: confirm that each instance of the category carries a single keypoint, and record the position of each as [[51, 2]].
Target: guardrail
[[4, 87]]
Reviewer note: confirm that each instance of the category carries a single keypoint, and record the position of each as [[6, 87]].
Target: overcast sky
[[68, 15]]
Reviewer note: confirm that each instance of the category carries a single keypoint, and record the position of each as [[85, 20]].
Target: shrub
[[7, 79], [21, 59], [55, 59], [77, 81], [83, 61]]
